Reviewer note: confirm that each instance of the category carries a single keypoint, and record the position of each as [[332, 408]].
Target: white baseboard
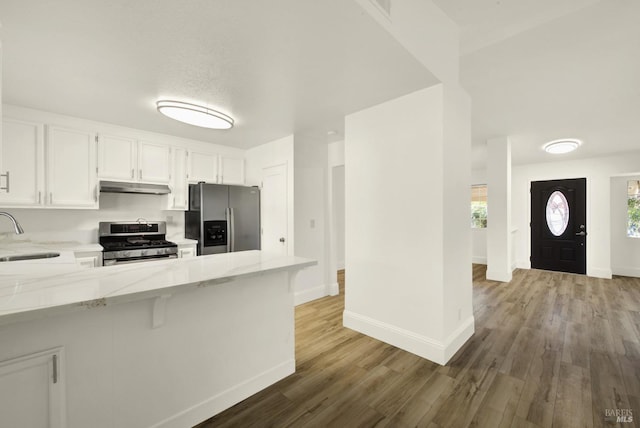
[[479, 260], [423, 346], [309, 294], [333, 289], [501, 276], [599, 273], [626, 271], [232, 396], [459, 337]]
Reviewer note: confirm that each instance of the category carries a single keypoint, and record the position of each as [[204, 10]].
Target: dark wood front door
[[559, 225]]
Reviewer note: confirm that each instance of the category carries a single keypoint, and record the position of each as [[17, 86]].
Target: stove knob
[[126, 253]]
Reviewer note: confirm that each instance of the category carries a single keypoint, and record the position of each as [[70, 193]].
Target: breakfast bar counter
[[163, 343]]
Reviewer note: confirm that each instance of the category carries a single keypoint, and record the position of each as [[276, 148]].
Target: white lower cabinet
[[89, 259], [187, 250], [32, 391]]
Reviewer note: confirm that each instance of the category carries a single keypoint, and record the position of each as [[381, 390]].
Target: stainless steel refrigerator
[[223, 218]]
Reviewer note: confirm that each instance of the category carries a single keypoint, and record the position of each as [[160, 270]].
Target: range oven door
[[106, 261]]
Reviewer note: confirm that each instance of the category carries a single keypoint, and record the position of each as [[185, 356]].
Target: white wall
[[338, 213], [625, 251], [407, 224], [598, 172], [82, 225], [278, 152], [416, 22], [311, 216]]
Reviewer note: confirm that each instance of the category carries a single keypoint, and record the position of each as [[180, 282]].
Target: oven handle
[[112, 262]]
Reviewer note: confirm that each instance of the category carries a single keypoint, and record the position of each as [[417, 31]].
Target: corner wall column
[[499, 209]]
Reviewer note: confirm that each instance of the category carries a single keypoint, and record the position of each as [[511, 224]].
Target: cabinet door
[[116, 157], [88, 261], [32, 391], [154, 162], [71, 168], [21, 163], [179, 186], [231, 170], [203, 167], [187, 251]]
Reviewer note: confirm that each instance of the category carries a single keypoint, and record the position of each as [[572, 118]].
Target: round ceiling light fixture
[[564, 145], [194, 114]]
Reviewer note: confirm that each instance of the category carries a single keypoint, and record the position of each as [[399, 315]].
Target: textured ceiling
[[277, 68]]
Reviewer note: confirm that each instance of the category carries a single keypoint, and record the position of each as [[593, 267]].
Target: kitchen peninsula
[[162, 344]]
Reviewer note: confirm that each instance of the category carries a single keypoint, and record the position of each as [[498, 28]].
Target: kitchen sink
[[33, 256]]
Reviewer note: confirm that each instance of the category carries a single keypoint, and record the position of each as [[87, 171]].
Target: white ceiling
[[551, 69], [277, 68], [536, 71]]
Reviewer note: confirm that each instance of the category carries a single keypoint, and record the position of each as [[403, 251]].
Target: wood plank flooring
[[550, 350]]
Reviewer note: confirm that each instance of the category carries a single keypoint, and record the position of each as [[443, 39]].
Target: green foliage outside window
[[479, 206], [633, 210], [478, 215]]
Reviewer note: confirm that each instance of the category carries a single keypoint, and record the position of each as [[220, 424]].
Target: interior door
[[559, 225], [274, 210]]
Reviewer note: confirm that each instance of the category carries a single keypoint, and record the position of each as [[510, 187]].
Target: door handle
[[581, 233], [281, 239]]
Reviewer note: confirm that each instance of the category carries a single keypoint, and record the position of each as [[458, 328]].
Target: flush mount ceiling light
[[194, 114], [564, 145]]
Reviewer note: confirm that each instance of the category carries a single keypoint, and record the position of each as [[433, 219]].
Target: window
[[633, 208], [479, 206], [557, 213]]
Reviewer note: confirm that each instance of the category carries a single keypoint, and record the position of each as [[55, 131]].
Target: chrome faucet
[[16, 225]]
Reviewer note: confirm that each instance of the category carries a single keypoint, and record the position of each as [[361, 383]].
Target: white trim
[[423, 346], [479, 260], [340, 265], [599, 273], [333, 289], [626, 271], [310, 294], [493, 275], [459, 337], [232, 396]]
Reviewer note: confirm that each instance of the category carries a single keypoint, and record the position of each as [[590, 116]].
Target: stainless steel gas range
[[133, 242]]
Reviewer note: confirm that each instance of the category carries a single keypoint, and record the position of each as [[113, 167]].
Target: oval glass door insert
[[557, 213]]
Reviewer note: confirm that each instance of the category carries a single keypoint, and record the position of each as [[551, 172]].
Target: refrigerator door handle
[[231, 232]]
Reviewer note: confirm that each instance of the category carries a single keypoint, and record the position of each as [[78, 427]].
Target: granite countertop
[[33, 290]]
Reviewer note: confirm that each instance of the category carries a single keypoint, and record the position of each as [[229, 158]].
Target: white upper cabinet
[[125, 159], [178, 199], [21, 164], [117, 157], [154, 162], [203, 167], [71, 178], [231, 170]]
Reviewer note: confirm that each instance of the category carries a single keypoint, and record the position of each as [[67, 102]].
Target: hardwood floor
[[550, 349]]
